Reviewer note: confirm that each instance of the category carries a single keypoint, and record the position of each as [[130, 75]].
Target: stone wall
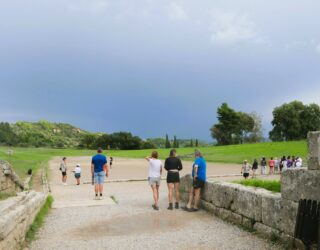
[[16, 216], [9, 181], [253, 208]]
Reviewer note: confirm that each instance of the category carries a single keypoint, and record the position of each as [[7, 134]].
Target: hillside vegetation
[[41, 134]]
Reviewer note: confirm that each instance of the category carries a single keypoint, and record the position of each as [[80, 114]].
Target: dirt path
[[79, 222]]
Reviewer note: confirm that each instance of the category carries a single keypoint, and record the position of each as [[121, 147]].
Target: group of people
[[173, 165], [275, 165]]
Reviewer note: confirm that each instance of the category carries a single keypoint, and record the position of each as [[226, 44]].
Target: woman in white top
[[155, 171]]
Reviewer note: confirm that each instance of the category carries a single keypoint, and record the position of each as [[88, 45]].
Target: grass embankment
[[271, 185], [24, 158], [39, 220], [4, 196]]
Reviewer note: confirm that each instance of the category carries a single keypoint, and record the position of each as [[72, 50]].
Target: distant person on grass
[[173, 165], [245, 170], [63, 168], [77, 173], [99, 169], [155, 171], [254, 168], [199, 175]]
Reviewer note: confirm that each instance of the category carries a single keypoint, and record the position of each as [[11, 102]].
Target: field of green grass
[[24, 158], [271, 185]]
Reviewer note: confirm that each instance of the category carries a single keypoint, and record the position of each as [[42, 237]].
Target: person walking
[[173, 165], [199, 175], [245, 170], [155, 172], [63, 169], [276, 166], [263, 164], [99, 169], [283, 163], [254, 168], [77, 173], [271, 166]]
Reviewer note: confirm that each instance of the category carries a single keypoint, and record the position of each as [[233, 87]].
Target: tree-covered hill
[[41, 134]]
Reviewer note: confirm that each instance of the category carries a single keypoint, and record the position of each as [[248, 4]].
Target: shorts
[[173, 177], [197, 183], [77, 175], [245, 175], [64, 173], [99, 177], [154, 181]]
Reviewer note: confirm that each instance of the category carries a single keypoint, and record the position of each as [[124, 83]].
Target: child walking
[[77, 173]]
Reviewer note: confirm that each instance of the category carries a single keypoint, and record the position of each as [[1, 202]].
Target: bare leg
[[177, 191], [155, 194], [100, 188], [191, 194], [170, 192], [196, 197]]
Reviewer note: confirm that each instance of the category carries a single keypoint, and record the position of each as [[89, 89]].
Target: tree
[[233, 127], [293, 121], [175, 142], [191, 143], [197, 143], [256, 133], [168, 145]]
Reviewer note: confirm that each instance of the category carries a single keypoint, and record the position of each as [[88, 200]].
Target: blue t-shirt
[[202, 169], [99, 161]]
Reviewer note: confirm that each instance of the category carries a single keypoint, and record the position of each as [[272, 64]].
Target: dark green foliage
[[175, 142], [7, 136], [233, 127], [293, 121], [168, 144], [197, 143]]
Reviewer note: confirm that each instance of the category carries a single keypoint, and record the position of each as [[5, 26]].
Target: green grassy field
[[271, 185], [25, 158]]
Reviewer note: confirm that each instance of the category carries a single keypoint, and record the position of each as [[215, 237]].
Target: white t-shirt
[[77, 170], [154, 168]]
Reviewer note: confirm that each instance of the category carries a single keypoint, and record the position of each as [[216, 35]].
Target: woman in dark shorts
[[173, 165]]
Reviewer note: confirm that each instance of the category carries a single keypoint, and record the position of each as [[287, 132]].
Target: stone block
[[299, 184], [266, 231], [314, 150], [209, 207], [247, 223], [279, 213]]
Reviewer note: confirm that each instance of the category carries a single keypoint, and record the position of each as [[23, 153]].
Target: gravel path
[[132, 224]]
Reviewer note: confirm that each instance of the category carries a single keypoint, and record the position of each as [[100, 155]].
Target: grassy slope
[[271, 185], [25, 158]]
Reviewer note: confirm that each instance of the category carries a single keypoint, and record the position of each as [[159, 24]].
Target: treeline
[[291, 121]]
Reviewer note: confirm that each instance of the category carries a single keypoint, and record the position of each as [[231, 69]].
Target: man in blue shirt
[[99, 169], [199, 174]]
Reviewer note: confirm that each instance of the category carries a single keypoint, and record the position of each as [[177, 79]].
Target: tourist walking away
[[245, 169], [173, 165], [289, 162], [199, 175], [63, 168], [77, 173], [271, 166], [110, 161], [276, 165], [254, 168], [283, 163], [299, 162], [155, 171], [263, 164], [99, 169]]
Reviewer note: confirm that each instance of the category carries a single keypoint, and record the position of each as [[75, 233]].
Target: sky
[[153, 67]]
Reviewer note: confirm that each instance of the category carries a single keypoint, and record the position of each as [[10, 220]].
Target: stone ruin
[[272, 215], [9, 180]]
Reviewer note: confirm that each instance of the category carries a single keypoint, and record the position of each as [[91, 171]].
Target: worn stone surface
[[314, 150], [279, 213], [9, 181], [247, 223], [16, 215], [299, 184], [266, 231]]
